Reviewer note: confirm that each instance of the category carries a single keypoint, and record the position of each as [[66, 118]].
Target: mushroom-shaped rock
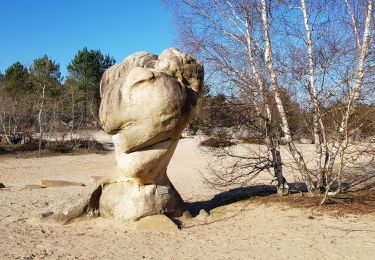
[[147, 101]]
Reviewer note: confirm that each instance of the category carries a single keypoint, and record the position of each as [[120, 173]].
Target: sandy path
[[243, 230]]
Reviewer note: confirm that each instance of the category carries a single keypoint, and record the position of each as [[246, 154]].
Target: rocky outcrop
[[147, 101]]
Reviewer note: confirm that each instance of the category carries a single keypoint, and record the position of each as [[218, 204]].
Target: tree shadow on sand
[[239, 194]]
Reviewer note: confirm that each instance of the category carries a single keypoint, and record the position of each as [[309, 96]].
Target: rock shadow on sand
[[239, 194]]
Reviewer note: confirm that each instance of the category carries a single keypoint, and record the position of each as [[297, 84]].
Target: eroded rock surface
[[147, 101]]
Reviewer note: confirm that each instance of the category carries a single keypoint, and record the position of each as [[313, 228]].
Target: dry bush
[[216, 143], [54, 147]]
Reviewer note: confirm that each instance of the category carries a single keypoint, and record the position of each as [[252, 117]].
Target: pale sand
[[243, 230]]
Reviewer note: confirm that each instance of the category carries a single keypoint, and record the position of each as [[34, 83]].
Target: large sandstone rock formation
[[147, 101]]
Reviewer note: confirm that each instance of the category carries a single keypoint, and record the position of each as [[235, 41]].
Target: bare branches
[[302, 56], [356, 89], [354, 24]]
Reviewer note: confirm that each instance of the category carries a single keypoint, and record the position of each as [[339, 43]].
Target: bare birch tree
[[328, 157], [237, 62], [45, 78], [262, 48]]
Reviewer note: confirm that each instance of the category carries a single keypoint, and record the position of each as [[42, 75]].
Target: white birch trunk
[[279, 104], [272, 143], [72, 115], [271, 71], [354, 24], [312, 89], [320, 140], [40, 117], [355, 91], [4, 130]]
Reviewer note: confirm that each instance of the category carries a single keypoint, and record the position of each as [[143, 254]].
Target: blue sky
[[59, 28]]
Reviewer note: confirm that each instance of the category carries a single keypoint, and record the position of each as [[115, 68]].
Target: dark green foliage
[[16, 79], [34, 99], [89, 65], [87, 68], [85, 72], [46, 68], [45, 73]]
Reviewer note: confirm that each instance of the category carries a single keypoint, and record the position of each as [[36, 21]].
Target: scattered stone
[[203, 215], [33, 187], [187, 215], [2, 186], [46, 214], [82, 205], [156, 223], [58, 183]]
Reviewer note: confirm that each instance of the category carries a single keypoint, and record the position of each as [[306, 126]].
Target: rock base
[[131, 201]]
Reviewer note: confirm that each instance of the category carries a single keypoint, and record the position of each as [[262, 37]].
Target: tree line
[[37, 99]]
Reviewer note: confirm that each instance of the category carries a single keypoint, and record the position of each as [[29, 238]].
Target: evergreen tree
[[16, 79], [87, 68], [45, 73]]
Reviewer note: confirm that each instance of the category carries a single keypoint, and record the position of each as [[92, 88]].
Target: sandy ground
[[242, 230]]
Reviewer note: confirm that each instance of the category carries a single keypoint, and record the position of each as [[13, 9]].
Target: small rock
[[33, 187], [58, 183], [156, 223], [187, 215], [46, 214], [203, 215], [80, 205], [2, 186]]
